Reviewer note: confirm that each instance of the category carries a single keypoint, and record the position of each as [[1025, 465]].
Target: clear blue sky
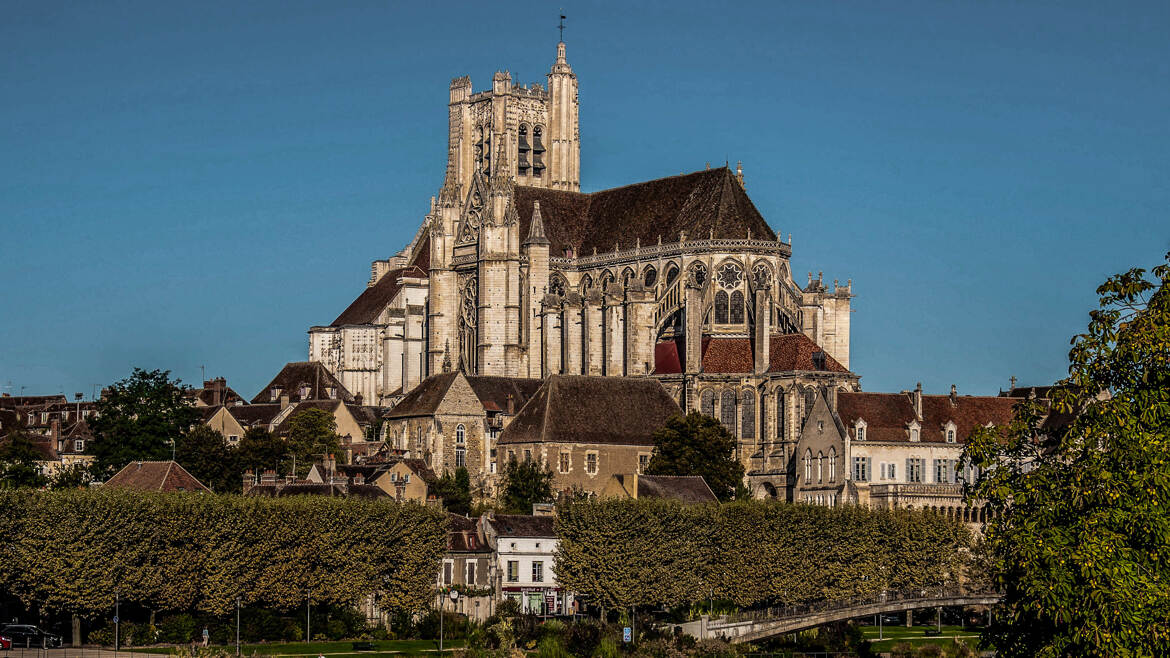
[[186, 184]]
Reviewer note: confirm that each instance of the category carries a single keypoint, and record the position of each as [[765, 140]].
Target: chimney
[[268, 477], [56, 429], [511, 405], [358, 399], [954, 393], [330, 465], [284, 401], [249, 480], [358, 478], [918, 401], [739, 174]]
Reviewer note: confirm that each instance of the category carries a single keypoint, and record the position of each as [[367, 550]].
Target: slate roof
[[686, 488], [492, 392], [597, 410], [166, 476], [373, 300], [521, 525], [14, 401], [698, 203], [207, 396], [311, 373], [887, 416], [251, 415], [786, 353]]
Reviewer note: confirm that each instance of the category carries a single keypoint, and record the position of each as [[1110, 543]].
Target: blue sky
[[195, 184]]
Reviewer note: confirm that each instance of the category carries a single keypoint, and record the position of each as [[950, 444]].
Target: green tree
[[312, 434], [525, 483], [18, 462], [205, 453], [455, 490], [698, 445], [261, 450], [137, 419], [1079, 538]]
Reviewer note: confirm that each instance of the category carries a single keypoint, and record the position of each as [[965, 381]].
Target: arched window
[[460, 446], [556, 285], [586, 284], [810, 396], [707, 403], [736, 307], [781, 412], [727, 411], [523, 151], [650, 276], [537, 151], [747, 423], [820, 467], [721, 307], [808, 465], [832, 464], [671, 273]]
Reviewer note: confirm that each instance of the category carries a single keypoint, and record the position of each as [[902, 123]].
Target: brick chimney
[[56, 429], [511, 405], [284, 401], [268, 477], [918, 401], [358, 399], [954, 393], [249, 480]]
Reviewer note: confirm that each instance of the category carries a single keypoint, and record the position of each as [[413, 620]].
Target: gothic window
[[810, 396], [460, 446], [730, 275], [483, 149], [524, 151], [820, 467], [736, 307], [556, 286], [808, 465], [707, 403], [698, 274], [671, 273], [747, 421], [832, 464], [761, 274], [468, 336], [586, 284], [627, 275], [781, 412], [727, 411], [721, 307], [650, 277], [537, 151], [606, 281]]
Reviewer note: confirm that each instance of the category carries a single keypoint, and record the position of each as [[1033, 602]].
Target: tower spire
[[561, 27]]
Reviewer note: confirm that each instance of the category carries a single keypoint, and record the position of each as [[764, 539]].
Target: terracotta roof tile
[[165, 476], [887, 416]]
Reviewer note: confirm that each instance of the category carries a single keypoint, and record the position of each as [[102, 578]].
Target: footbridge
[[751, 625]]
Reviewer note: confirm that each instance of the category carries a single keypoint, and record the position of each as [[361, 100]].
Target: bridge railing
[[805, 609]]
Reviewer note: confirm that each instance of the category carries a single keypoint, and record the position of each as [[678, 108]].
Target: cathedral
[[515, 272]]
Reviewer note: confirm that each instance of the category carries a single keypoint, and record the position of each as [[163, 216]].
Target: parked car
[[5, 643], [27, 635]]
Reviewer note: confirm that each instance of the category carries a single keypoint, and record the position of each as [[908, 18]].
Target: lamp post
[[237, 625], [117, 602], [308, 622]]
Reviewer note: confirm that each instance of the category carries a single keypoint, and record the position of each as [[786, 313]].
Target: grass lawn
[[331, 649], [916, 636]]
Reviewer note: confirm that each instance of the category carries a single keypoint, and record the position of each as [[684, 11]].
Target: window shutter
[[909, 477], [868, 468]]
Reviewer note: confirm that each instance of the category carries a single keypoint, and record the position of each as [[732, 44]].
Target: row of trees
[[626, 553], [70, 551]]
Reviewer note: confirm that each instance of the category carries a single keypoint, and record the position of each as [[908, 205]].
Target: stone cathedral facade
[[516, 272]]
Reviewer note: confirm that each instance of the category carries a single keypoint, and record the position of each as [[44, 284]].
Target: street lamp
[[237, 625], [308, 622]]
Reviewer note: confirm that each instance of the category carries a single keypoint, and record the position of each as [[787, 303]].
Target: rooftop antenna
[[561, 25]]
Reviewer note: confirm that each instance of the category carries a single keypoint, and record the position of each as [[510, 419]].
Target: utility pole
[[117, 620], [237, 626], [308, 622]]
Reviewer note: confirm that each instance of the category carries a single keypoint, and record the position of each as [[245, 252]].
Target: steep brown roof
[[686, 488], [251, 415], [521, 525], [887, 416], [308, 373], [368, 305], [579, 409], [787, 352], [165, 476], [15, 401], [492, 392], [700, 203]]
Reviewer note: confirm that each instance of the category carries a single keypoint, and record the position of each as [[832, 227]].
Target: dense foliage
[[205, 453], [698, 445], [18, 462], [69, 551], [454, 491], [312, 435], [1080, 534], [139, 419], [525, 483], [620, 553]]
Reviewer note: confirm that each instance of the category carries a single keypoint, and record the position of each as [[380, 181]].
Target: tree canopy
[[312, 434], [260, 450], [698, 445], [525, 483], [205, 453], [455, 491], [138, 419], [18, 462], [1079, 538]]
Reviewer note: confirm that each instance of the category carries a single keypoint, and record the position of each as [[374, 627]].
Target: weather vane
[[561, 26]]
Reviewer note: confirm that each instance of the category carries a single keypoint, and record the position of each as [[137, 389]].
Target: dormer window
[[914, 431], [274, 394], [305, 392], [949, 432], [859, 430]]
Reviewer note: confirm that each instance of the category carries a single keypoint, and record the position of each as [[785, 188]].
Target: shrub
[[606, 648], [178, 629]]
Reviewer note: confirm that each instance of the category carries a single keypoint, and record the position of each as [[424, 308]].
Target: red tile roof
[[666, 358], [787, 352], [165, 476], [888, 416]]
